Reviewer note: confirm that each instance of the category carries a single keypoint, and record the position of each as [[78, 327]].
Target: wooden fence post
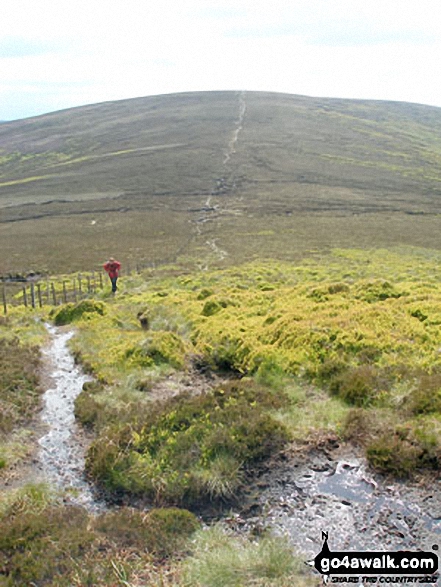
[[40, 301], [74, 283], [101, 280], [5, 305], [48, 294], [64, 292], [33, 295], [89, 289], [25, 297], [54, 295], [80, 286]]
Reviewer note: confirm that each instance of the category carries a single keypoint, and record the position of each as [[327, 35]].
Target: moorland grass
[[48, 543], [71, 312], [19, 391], [220, 559], [352, 329], [21, 335], [345, 344], [177, 144], [135, 176]]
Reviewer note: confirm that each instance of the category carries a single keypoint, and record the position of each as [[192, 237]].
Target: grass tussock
[[426, 398], [359, 386], [406, 449], [21, 334], [395, 444], [158, 348], [38, 547], [221, 560], [192, 449], [72, 312]]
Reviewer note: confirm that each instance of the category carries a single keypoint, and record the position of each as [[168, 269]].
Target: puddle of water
[[61, 454], [360, 512], [349, 482]]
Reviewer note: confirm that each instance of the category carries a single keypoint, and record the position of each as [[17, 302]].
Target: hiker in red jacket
[[112, 267]]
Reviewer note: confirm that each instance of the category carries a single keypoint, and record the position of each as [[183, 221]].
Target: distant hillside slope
[[214, 162], [154, 145]]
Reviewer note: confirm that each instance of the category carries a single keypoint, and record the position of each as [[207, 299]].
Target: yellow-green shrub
[[71, 312], [404, 450], [157, 348], [426, 398]]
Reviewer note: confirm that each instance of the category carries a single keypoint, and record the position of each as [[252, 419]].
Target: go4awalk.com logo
[[401, 567]]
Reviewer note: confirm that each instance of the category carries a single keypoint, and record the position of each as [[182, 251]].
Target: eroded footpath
[[63, 447]]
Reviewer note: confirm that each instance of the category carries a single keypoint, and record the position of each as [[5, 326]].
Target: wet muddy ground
[[301, 494], [333, 490]]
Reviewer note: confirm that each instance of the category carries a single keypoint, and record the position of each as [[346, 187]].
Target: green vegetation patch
[[158, 348], [404, 451], [162, 531], [426, 398], [212, 307], [352, 329], [19, 391], [117, 346], [190, 450], [377, 291], [46, 543], [73, 312], [395, 444], [87, 409], [360, 385], [223, 560], [41, 547]]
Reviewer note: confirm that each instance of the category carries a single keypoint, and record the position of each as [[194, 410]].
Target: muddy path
[[63, 443], [62, 448], [332, 489]]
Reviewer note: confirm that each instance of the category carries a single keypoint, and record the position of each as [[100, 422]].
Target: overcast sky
[[55, 54]]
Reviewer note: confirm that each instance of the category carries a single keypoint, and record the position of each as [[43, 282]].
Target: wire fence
[[36, 291]]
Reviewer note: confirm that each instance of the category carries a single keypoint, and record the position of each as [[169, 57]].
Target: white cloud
[[95, 50]]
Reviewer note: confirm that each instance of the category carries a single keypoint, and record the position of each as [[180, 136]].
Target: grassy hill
[[201, 377], [207, 179]]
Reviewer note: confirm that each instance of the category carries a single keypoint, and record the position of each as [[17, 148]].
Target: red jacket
[[112, 268]]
